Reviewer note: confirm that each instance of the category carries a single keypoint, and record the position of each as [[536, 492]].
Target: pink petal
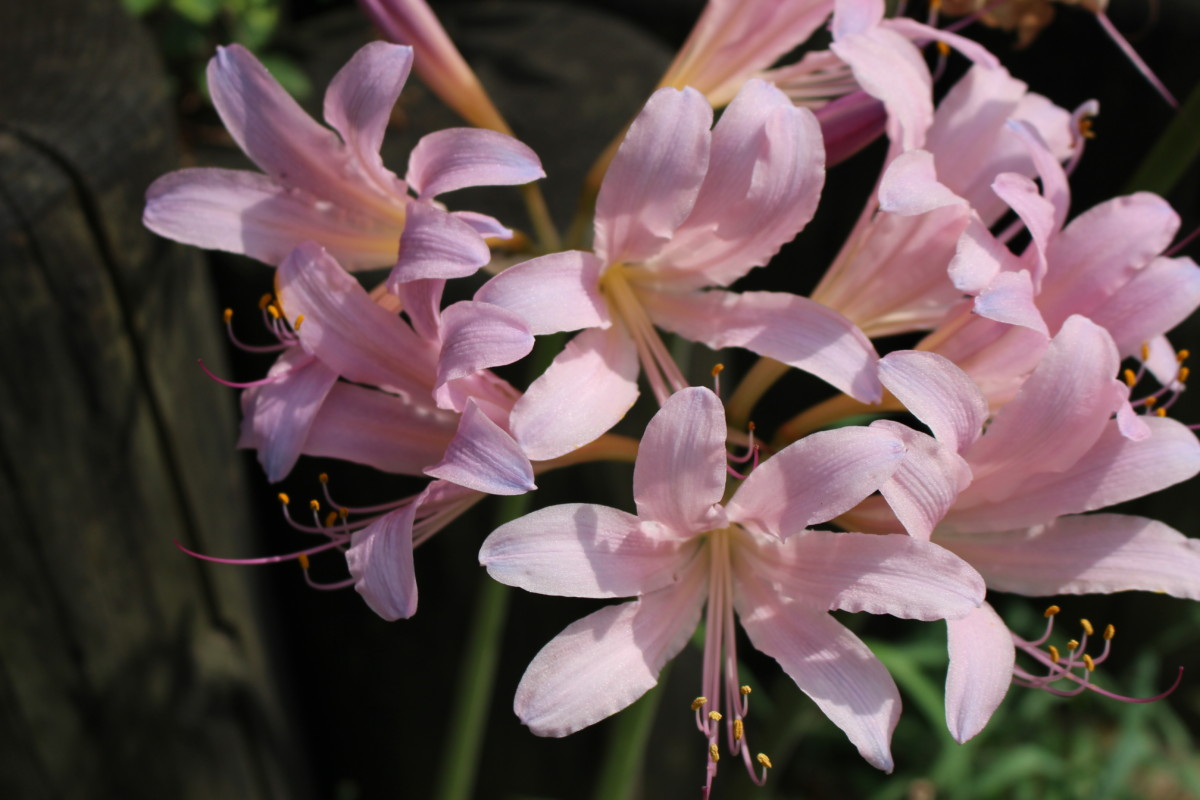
[[1088, 554], [978, 259], [476, 336], [909, 186], [483, 457], [1051, 174], [278, 416], [348, 330], [1158, 297], [830, 664], [456, 158], [880, 574], [680, 472], [815, 479], [982, 657], [927, 482], [553, 417], [602, 663], [556, 292], [421, 301], [938, 393], [789, 328], [584, 550], [1011, 298], [652, 182], [359, 101], [380, 559], [1039, 215], [248, 213], [436, 244], [485, 226]]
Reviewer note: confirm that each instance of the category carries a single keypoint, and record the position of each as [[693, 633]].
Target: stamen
[[1072, 645], [715, 716], [1145, 351], [1051, 611], [1089, 663], [714, 753], [716, 376], [1053, 651], [761, 758], [283, 498], [1130, 378], [1087, 626], [1109, 633], [739, 730], [303, 559], [250, 384], [314, 505], [265, 301], [227, 315], [698, 702], [298, 322]]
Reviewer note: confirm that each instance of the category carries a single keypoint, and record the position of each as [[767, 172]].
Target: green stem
[[622, 769], [1173, 153], [468, 720]]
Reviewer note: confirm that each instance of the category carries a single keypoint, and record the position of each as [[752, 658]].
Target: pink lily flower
[[753, 556], [1052, 453], [681, 208], [326, 186]]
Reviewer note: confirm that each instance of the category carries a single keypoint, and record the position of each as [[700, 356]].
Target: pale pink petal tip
[[483, 457]]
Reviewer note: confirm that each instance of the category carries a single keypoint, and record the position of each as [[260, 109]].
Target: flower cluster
[[1034, 334]]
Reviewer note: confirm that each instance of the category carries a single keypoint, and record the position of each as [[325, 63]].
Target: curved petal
[[381, 430], [456, 158], [815, 479], [830, 664], [380, 559], [881, 574], [679, 475], [483, 457], [938, 393], [1158, 297], [890, 68], [277, 417], [1088, 554], [982, 658], [1010, 298], [245, 212], [927, 482], [553, 417], [789, 328], [437, 244], [476, 336], [652, 182], [556, 292], [910, 186], [585, 550], [602, 663]]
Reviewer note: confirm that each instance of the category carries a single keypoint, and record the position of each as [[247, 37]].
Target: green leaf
[[199, 12], [1174, 152]]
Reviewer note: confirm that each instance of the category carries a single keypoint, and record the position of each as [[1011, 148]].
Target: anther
[[299, 320], [1182, 356], [1145, 351], [1051, 611], [1053, 652], [303, 559], [714, 753], [715, 716], [264, 301], [273, 311], [314, 505], [718, 369], [323, 477], [227, 315], [1085, 128], [1150, 401], [1072, 645], [1160, 412], [761, 758], [1183, 374], [283, 498], [698, 702], [343, 512], [1089, 663], [739, 729], [745, 690], [943, 49], [331, 519], [1130, 378], [1087, 626], [1109, 632]]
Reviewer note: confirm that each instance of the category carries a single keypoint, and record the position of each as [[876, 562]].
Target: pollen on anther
[[343, 513], [314, 505], [1085, 128], [1089, 662], [227, 315], [273, 311], [739, 729], [715, 716], [1130, 378], [718, 369], [1051, 611], [323, 477], [1072, 645], [1150, 401], [714, 753], [283, 498], [1109, 632], [1053, 653], [1182, 356], [698, 702], [331, 519], [299, 321], [1184, 372], [1145, 351], [303, 559], [943, 49], [761, 758], [745, 690], [1160, 412], [1087, 626], [264, 301]]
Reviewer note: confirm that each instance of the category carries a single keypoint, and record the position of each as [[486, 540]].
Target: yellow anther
[[750, 426], [1051, 611], [943, 49], [1183, 374], [314, 505], [343, 512], [227, 315], [745, 690], [283, 498], [698, 702], [718, 369], [1160, 412], [739, 728], [714, 753], [331, 519], [715, 716], [299, 321], [1072, 645], [1182, 356], [1145, 351], [1130, 378], [1053, 652], [762, 759], [1109, 632], [1085, 128], [303, 559], [1087, 626], [323, 477], [935, 5], [1150, 401], [273, 311], [1089, 663], [264, 301]]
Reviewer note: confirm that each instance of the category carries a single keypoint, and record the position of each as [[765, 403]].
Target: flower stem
[[539, 216]]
